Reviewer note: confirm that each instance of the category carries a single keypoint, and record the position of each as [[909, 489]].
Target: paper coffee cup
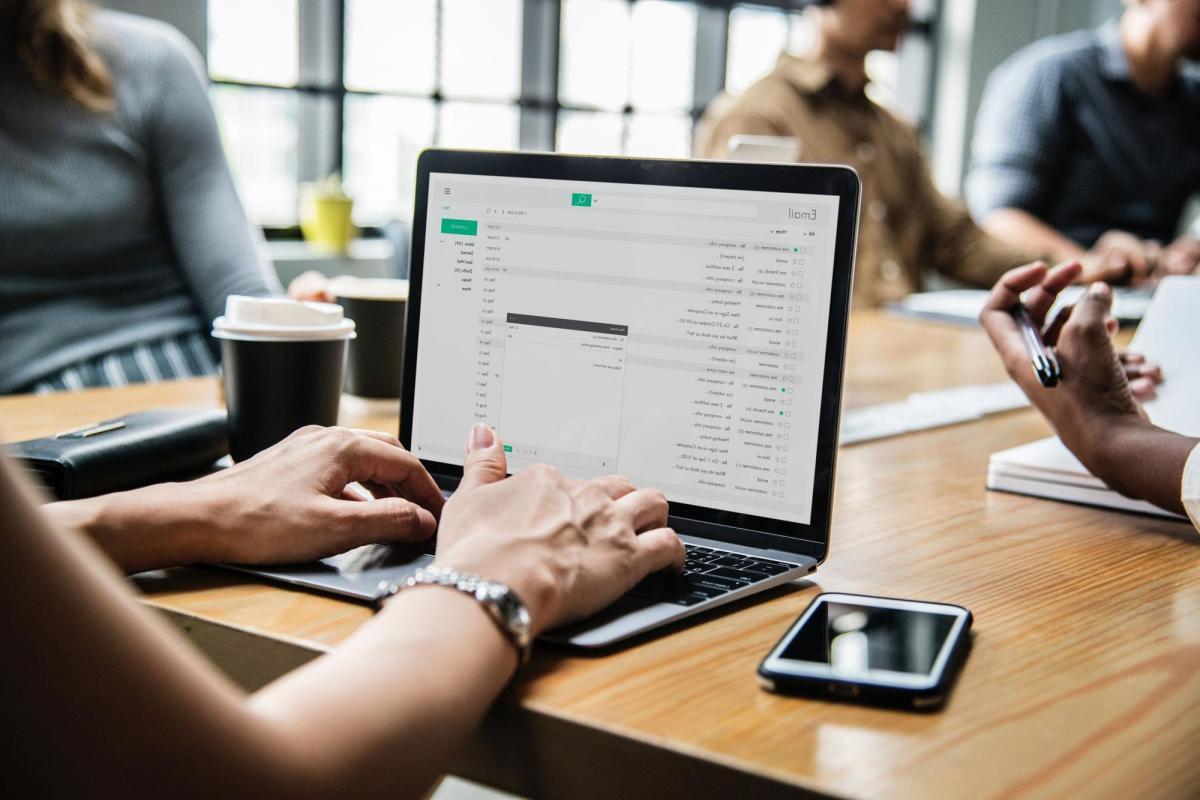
[[283, 362], [374, 364]]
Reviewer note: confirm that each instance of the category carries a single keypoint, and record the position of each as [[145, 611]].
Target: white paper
[[926, 410], [1170, 336]]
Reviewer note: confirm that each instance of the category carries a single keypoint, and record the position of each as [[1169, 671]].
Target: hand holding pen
[[1045, 363], [1015, 318]]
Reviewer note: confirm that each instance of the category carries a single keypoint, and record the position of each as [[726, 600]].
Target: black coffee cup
[[374, 363], [282, 363]]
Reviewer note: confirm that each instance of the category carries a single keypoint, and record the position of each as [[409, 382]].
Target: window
[[258, 43], [406, 89], [758, 34], [254, 42], [261, 129], [305, 88], [626, 76]]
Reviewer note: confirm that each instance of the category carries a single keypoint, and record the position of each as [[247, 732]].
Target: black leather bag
[[124, 453]]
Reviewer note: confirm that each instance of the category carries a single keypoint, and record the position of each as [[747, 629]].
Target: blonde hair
[[54, 39]]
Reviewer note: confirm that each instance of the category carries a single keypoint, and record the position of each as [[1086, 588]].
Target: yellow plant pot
[[326, 221]]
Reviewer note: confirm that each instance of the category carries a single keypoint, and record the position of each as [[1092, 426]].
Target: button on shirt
[[906, 226], [1064, 134]]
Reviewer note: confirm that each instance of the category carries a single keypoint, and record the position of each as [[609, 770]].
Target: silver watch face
[[524, 619], [516, 615]]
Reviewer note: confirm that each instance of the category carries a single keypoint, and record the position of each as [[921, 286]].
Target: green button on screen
[[463, 227], [508, 448], [581, 199]]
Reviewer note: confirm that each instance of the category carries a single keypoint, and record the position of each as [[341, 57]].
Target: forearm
[[953, 243], [1022, 229], [118, 692], [149, 528], [386, 713], [964, 251], [1137, 459]]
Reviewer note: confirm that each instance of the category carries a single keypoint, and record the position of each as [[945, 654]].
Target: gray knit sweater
[[115, 228]]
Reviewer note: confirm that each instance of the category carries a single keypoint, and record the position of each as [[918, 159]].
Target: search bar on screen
[[671, 205]]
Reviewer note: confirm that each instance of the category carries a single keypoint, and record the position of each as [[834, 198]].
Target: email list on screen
[[675, 335]]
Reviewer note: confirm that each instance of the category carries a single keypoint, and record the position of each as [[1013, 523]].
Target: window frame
[[322, 124]]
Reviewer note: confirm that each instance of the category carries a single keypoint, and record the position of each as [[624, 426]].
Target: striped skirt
[[183, 356]]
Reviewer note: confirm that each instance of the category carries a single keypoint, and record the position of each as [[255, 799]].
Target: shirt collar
[[1114, 64], [808, 75]]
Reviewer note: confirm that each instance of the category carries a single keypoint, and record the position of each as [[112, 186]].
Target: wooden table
[[1084, 679]]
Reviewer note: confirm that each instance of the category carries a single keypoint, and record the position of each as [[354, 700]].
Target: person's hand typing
[[568, 548], [290, 503]]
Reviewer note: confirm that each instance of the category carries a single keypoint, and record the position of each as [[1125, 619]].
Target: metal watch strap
[[502, 603]]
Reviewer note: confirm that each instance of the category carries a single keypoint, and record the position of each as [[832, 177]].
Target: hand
[[1181, 257], [290, 504], [1094, 394], [567, 548], [311, 285], [1143, 376], [1120, 257]]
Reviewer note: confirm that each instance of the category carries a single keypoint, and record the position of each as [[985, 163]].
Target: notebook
[[1167, 335]]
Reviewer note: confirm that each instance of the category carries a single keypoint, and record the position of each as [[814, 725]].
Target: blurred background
[[306, 88]]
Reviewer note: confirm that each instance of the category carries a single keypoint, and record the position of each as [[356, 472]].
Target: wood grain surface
[[1084, 678]]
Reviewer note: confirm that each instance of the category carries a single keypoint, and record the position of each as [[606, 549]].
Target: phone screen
[[852, 640]]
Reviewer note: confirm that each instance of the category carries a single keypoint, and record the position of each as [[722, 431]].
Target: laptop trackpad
[[629, 614], [356, 573]]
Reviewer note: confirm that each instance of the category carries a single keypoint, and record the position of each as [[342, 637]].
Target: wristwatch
[[502, 604]]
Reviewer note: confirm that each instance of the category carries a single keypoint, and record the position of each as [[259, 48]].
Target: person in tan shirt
[[907, 225]]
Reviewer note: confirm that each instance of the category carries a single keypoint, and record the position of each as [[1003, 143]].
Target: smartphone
[[877, 650]]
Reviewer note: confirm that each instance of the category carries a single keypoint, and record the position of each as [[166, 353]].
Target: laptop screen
[[673, 334]]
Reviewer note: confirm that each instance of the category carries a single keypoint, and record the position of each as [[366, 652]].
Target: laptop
[[682, 323], [748, 147]]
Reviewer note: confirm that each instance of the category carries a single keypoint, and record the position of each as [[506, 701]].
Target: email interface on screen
[[674, 335]]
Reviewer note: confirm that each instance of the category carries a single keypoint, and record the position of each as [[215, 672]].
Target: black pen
[[1045, 364]]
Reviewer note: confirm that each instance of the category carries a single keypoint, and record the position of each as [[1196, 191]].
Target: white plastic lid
[[271, 319], [357, 288]]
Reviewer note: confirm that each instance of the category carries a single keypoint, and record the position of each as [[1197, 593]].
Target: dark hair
[[54, 39]]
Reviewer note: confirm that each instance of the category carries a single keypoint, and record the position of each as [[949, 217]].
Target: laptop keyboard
[[708, 573]]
